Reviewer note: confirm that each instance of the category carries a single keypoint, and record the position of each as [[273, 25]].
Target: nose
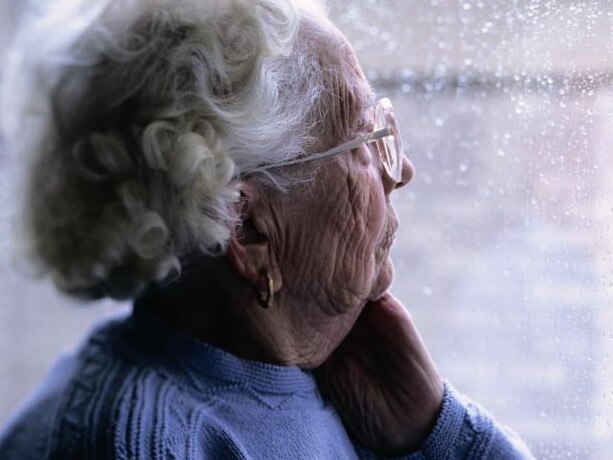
[[408, 171]]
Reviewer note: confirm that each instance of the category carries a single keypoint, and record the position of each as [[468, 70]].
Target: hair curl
[[137, 117]]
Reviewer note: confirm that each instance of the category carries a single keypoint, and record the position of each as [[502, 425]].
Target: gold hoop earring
[[267, 302]]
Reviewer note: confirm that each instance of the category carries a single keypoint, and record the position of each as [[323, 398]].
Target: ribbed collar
[[214, 362]]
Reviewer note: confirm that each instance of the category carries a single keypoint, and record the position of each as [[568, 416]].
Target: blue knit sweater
[[138, 390]]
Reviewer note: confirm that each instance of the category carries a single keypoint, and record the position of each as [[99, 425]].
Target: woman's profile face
[[340, 231]]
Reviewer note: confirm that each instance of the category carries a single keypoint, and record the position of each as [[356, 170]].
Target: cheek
[[373, 210], [334, 236], [363, 220], [377, 210]]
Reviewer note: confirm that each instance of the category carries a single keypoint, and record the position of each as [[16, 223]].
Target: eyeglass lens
[[389, 146]]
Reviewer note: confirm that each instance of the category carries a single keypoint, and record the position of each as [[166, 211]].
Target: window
[[504, 250]]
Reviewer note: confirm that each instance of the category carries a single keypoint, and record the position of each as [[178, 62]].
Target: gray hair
[[139, 116]]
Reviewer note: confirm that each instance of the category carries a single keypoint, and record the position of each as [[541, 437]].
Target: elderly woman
[[226, 165]]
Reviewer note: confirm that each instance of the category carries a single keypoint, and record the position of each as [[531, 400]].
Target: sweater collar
[[202, 357]]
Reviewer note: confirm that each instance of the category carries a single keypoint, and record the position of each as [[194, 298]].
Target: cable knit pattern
[[136, 389]]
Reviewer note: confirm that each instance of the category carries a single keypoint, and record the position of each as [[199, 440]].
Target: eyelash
[[365, 126]]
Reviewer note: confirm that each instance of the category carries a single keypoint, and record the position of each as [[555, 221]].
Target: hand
[[382, 380]]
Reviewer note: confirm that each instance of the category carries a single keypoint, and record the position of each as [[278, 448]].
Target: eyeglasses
[[386, 137]]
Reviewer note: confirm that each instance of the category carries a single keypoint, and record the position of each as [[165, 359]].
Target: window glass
[[504, 254], [504, 250]]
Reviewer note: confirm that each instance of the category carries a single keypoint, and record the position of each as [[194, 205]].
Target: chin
[[384, 280]]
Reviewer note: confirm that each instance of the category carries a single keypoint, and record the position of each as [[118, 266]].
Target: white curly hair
[[138, 117]]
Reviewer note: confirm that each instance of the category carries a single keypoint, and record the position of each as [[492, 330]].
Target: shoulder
[[112, 400], [27, 433], [70, 400]]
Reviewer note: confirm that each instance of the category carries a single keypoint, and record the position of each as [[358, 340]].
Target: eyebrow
[[368, 101], [371, 97]]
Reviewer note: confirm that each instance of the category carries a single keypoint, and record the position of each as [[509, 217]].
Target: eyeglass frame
[[352, 144]]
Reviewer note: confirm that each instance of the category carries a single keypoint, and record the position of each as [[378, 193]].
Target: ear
[[249, 251]]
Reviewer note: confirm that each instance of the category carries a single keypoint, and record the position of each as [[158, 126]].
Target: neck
[[224, 312]]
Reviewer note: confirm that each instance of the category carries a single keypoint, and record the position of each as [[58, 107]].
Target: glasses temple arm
[[349, 145]]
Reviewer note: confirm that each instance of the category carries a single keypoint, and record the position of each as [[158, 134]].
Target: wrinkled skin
[[326, 246], [341, 232], [331, 308], [382, 380]]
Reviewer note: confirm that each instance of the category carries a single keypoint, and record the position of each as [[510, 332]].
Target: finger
[[386, 330], [385, 319]]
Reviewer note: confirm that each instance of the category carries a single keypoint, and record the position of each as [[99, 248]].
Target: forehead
[[355, 82], [347, 94]]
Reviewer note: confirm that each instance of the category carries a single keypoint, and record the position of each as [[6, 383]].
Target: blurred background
[[504, 254]]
